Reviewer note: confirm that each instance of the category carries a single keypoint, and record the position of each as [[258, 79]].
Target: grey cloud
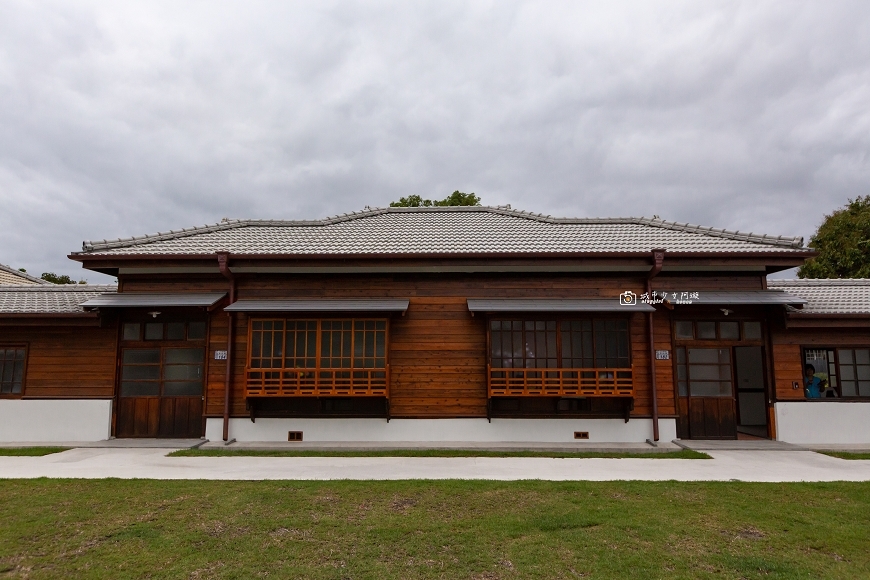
[[122, 119]]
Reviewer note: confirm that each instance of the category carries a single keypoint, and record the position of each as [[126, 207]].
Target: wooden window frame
[[315, 381], [162, 347], [559, 381], [26, 347], [839, 388], [711, 342], [165, 321]]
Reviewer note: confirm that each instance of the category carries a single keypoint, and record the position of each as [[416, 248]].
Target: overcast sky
[[121, 119]]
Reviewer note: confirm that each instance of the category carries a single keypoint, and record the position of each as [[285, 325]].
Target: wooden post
[[658, 259], [223, 263]]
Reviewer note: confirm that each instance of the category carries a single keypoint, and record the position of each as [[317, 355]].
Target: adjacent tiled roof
[[49, 299], [12, 276], [828, 296], [443, 230]]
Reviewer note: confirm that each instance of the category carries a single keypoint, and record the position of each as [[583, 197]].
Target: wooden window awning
[[321, 305], [554, 305], [752, 297], [142, 300]]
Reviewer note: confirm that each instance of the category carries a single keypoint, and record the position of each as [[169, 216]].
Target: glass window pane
[[175, 331], [144, 372], [706, 330], [182, 389], [6, 375], [846, 356], [847, 372], [257, 344], [683, 388], [184, 355], [131, 330], [182, 372], [681, 355], [196, 331], [141, 356], [380, 346], [862, 356], [140, 388], [729, 330], [849, 388], [709, 389], [153, 331], [863, 372], [704, 355], [18, 372], [752, 330], [684, 329], [704, 372]]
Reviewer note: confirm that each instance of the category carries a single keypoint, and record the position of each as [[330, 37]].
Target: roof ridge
[[24, 275], [227, 224], [819, 281], [58, 288]]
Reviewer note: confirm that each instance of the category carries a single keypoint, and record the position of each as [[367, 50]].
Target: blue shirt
[[813, 387]]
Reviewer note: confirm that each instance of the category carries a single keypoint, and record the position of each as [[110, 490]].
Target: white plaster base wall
[[55, 420], [446, 430], [823, 422]]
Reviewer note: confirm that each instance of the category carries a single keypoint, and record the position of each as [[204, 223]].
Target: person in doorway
[[812, 383]]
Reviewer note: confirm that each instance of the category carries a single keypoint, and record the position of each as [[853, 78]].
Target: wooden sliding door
[[160, 393]]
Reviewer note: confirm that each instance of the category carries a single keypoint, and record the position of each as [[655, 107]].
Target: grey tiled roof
[[443, 230], [828, 296], [12, 276], [49, 299]]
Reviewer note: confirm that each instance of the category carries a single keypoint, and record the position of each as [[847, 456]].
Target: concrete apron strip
[[442, 445], [762, 466]]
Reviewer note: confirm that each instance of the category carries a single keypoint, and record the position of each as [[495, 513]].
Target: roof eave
[[784, 253]]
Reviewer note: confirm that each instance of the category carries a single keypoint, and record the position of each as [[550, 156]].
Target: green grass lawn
[[29, 451], [425, 529], [846, 454], [681, 454]]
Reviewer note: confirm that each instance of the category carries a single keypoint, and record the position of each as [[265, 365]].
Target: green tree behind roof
[[59, 278], [455, 198], [843, 243]]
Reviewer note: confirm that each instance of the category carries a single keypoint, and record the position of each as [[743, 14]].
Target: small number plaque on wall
[[220, 355], [663, 355]]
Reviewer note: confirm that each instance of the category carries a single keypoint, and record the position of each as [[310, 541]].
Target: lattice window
[[12, 369], [585, 357], [321, 358], [267, 344]]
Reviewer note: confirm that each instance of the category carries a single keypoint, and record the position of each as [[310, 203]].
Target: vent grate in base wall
[[294, 435], [581, 434]]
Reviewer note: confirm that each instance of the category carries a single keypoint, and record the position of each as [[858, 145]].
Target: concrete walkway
[[126, 463]]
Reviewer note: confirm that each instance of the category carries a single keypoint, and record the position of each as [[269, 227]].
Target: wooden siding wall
[[437, 350], [787, 343], [672, 281], [66, 361]]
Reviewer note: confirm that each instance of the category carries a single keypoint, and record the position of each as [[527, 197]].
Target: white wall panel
[[55, 420], [447, 430], [823, 422]]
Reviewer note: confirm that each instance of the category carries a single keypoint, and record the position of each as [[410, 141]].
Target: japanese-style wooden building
[[479, 324]]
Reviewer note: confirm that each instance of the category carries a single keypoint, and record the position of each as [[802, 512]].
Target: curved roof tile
[[442, 230]]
